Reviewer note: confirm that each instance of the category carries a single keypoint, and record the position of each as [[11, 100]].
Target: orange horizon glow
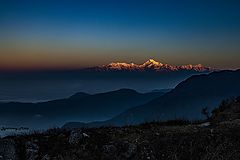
[[40, 58]]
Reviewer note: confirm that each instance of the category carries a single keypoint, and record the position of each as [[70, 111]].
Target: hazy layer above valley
[[38, 86]]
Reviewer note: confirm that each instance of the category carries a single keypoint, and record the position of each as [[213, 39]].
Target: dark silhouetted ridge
[[185, 101]]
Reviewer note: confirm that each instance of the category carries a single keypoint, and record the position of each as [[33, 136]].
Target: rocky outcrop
[[228, 110], [31, 150], [153, 141], [77, 136], [7, 149]]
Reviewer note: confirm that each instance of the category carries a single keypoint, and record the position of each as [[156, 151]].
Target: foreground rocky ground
[[215, 139]]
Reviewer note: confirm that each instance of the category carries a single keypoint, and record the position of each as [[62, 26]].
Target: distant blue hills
[[185, 101], [126, 106], [78, 107]]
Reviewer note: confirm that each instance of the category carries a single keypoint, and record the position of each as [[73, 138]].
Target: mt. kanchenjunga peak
[[151, 65]]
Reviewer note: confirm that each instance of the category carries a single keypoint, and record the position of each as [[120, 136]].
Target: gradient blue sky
[[74, 34]]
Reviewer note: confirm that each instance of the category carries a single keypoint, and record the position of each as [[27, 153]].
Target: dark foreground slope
[[172, 140]]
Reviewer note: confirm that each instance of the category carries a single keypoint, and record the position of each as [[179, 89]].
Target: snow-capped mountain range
[[151, 65]]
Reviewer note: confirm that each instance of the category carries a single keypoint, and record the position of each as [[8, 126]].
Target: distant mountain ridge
[[79, 107], [151, 65], [186, 100]]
